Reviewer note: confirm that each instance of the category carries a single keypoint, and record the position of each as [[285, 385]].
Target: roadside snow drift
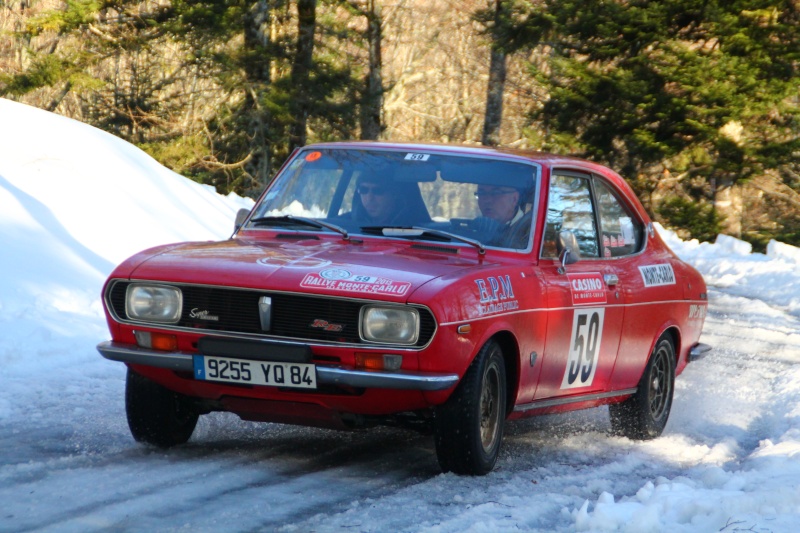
[[75, 201]]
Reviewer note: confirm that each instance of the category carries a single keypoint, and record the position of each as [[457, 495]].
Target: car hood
[[382, 270]]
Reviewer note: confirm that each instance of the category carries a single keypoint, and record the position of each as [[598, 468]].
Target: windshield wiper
[[419, 231], [286, 221]]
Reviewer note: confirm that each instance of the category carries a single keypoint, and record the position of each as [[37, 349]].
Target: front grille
[[294, 316]]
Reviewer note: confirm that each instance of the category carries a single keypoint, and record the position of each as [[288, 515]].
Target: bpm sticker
[[339, 279], [657, 275], [496, 294], [587, 288]]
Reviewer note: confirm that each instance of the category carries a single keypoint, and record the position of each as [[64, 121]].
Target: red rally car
[[441, 287]]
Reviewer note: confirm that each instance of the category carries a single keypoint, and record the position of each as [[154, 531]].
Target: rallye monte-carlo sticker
[[339, 279]]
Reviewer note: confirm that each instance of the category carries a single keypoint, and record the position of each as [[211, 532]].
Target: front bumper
[[333, 375]]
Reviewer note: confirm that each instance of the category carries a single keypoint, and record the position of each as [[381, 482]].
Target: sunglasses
[[376, 190]]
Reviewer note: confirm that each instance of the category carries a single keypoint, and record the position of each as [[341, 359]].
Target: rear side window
[[621, 232]]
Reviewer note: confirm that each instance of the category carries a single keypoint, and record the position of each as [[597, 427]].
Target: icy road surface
[[68, 463]]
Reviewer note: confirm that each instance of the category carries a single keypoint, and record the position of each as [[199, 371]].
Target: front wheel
[[157, 415], [644, 415], [468, 427]]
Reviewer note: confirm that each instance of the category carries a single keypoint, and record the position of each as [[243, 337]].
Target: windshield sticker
[[587, 288], [657, 275], [313, 156], [496, 295], [339, 279], [286, 261], [417, 157]]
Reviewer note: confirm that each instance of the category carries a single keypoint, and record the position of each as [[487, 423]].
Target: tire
[[468, 427], [157, 415], [644, 415]]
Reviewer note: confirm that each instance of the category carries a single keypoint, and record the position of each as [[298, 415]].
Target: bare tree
[[372, 99], [301, 67], [497, 82]]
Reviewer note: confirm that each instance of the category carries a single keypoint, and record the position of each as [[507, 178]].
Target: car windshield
[[466, 198]]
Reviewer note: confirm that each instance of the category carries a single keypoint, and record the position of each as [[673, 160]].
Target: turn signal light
[[156, 341], [378, 361]]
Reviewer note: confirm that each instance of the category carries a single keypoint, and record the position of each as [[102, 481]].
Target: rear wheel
[[468, 428], [157, 415], [644, 415]]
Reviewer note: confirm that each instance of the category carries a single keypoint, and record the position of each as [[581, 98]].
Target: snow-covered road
[[69, 464], [75, 201]]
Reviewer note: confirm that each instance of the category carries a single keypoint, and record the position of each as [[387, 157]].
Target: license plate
[[247, 371]]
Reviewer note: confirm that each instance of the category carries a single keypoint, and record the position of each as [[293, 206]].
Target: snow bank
[[76, 201], [729, 263]]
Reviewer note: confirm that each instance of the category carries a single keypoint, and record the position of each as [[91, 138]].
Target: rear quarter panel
[[654, 304]]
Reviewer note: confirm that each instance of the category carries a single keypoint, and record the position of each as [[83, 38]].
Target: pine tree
[[704, 92], [218, 90]]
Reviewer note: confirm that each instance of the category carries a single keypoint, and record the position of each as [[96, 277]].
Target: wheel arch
[[508, 344], [674, 335]]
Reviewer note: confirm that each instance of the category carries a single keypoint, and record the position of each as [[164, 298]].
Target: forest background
[[695, 102]]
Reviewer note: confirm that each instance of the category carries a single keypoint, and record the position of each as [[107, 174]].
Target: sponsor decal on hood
[[340, 279]]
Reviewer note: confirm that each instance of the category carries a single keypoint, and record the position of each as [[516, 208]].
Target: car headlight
[[153, 303], [390, 325]]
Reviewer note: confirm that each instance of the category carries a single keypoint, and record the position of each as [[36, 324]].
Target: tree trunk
[[497, 82], [257, 70], [301, 67], [372, 100]]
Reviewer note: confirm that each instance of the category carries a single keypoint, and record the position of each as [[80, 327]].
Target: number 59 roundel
[[587, 334]]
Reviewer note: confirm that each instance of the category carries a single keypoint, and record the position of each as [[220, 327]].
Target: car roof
[[543, 158]]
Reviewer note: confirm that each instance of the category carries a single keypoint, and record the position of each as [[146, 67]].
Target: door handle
[[611, 279]]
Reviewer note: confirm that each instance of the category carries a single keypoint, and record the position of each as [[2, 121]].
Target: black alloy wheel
[[644, 415]]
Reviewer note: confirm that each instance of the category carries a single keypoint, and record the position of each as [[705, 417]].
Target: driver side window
[[570, 208]]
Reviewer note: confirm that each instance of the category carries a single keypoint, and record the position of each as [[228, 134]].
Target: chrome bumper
[[325, 374], [698, 351]]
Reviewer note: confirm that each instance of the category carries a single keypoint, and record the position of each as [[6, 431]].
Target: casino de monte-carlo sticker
[[657, 275], [587, 288], [339, 279]]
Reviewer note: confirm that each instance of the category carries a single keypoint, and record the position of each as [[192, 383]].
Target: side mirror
[[568, 249], [241, 216]]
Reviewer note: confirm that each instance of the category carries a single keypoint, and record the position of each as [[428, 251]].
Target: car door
[[585, 308]]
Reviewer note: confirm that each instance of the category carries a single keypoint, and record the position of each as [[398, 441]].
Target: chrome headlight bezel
[[152, 302], [379, 324]]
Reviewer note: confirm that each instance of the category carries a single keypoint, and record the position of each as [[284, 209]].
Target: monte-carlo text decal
[[339, 279], [657, 275]]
